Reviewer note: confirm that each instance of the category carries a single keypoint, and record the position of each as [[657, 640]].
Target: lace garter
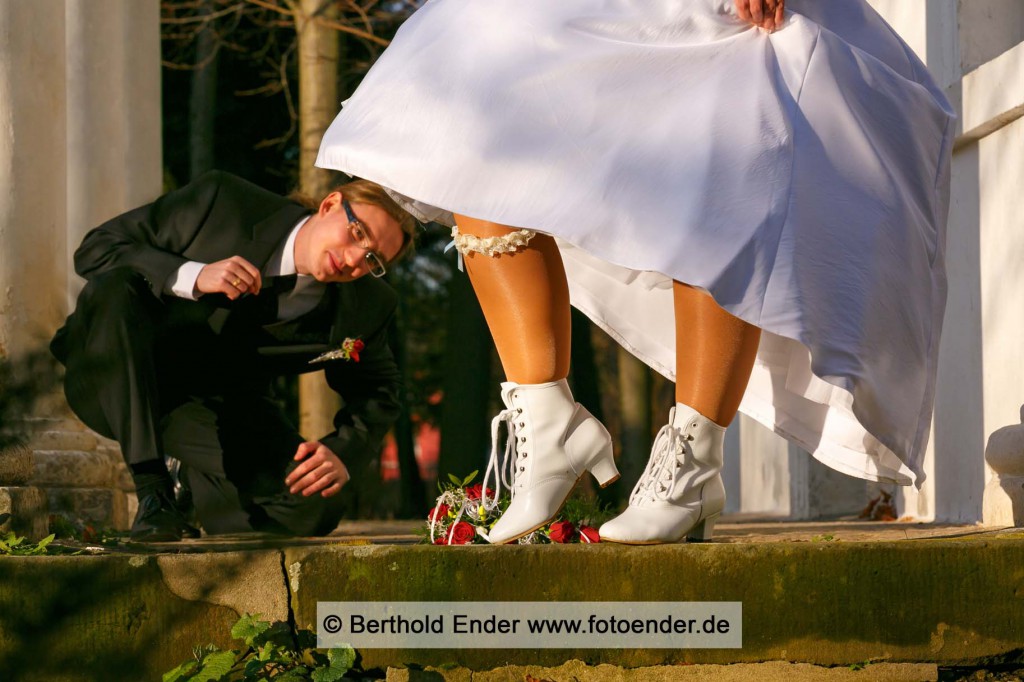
[[491, 246]]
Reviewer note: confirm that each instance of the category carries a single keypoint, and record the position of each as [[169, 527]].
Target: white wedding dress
[[800, 177]]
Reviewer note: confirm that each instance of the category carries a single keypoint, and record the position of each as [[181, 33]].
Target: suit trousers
[[153, 375]]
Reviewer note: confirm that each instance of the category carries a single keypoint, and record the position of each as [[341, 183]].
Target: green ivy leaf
[[454, 479], [342, 659], [216, 666], [252, 667], [249, 627], [45, 541], [280, 634], [469, 478], [181, 673], [293, 675]]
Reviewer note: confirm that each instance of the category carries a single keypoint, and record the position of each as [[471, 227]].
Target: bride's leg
[[681, 492], [525, 299], [715, 353]]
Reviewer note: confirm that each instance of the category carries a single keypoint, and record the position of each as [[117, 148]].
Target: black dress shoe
[[159, 520]]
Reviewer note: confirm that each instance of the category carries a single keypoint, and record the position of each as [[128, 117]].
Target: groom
[[193, 305]]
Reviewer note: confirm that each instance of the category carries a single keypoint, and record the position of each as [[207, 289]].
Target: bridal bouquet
[[464, 515]]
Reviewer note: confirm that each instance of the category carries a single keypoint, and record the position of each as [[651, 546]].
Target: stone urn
[[1003, 503]]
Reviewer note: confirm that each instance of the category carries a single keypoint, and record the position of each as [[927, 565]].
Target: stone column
[[113, 164], [33, 212], [79, 142], [114, 147], [32, 215]]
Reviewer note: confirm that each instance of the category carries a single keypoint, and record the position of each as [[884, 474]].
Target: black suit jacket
[[219, 216]]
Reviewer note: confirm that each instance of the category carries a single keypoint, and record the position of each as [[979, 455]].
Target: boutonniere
[[349, 350]]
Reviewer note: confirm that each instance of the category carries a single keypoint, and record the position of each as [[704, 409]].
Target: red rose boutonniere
[[349, 350]]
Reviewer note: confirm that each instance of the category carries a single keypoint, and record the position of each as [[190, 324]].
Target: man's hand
[[766, 14], [232, 277], [321, 473]]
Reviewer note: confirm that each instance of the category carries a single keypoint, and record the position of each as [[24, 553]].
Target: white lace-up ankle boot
[[680, 493], [552, 442]]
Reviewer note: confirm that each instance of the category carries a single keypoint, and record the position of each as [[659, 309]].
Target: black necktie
[[273, 288]]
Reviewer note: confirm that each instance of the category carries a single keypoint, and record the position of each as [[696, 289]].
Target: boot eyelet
[[522, 468], [522, 425]]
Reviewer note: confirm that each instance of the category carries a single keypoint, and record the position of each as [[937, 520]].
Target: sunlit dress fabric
[[800, 177]]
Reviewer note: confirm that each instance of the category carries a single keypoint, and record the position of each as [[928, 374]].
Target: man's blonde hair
[[366, 192]]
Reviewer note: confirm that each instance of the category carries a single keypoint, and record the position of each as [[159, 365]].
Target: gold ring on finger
[[237, 280]]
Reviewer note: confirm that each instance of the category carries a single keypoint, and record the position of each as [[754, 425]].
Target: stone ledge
[[100, 506], [829, 603], [72, 469], [127, 617], [63, 440], [770, 671], [953, 600], [40, 424]]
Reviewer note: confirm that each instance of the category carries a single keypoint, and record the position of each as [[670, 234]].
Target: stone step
[[769, 671], [72, 469], [38, 424], [15, 465], [844, 609], [62, 440], [104, 507], [28, 509]]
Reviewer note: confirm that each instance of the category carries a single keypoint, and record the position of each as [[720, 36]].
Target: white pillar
[[114, 159], [32, 179]]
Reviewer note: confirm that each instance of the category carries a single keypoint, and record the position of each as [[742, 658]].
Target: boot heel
[[703, 531], [604, 469]]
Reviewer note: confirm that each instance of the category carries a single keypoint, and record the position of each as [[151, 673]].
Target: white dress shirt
[[299, 301]]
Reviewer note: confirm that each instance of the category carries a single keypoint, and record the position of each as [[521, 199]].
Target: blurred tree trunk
[[202, 106], [635, 401], [586, 387], [412, 499], [318, 55], [583, 374], [465, 418]]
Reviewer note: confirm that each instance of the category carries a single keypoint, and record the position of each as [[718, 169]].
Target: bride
[[749, 196]]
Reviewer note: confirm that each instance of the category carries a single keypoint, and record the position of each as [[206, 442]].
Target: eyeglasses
[[359, 236]]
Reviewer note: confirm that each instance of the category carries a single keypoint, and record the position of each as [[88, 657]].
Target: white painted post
[[32, 180], [114, 142]]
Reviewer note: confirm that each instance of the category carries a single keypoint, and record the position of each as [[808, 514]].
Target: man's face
[[334, 253]]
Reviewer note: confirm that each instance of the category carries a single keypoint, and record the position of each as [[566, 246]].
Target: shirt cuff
[[182, 282]]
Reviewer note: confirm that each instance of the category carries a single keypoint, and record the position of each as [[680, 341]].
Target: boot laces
[[668, 455], [510, 468]]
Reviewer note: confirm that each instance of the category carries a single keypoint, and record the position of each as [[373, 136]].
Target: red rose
[[474, 492], [442, 539], [356, 347], [438, 513], [562, 532], [589, 534], [462, 533]]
